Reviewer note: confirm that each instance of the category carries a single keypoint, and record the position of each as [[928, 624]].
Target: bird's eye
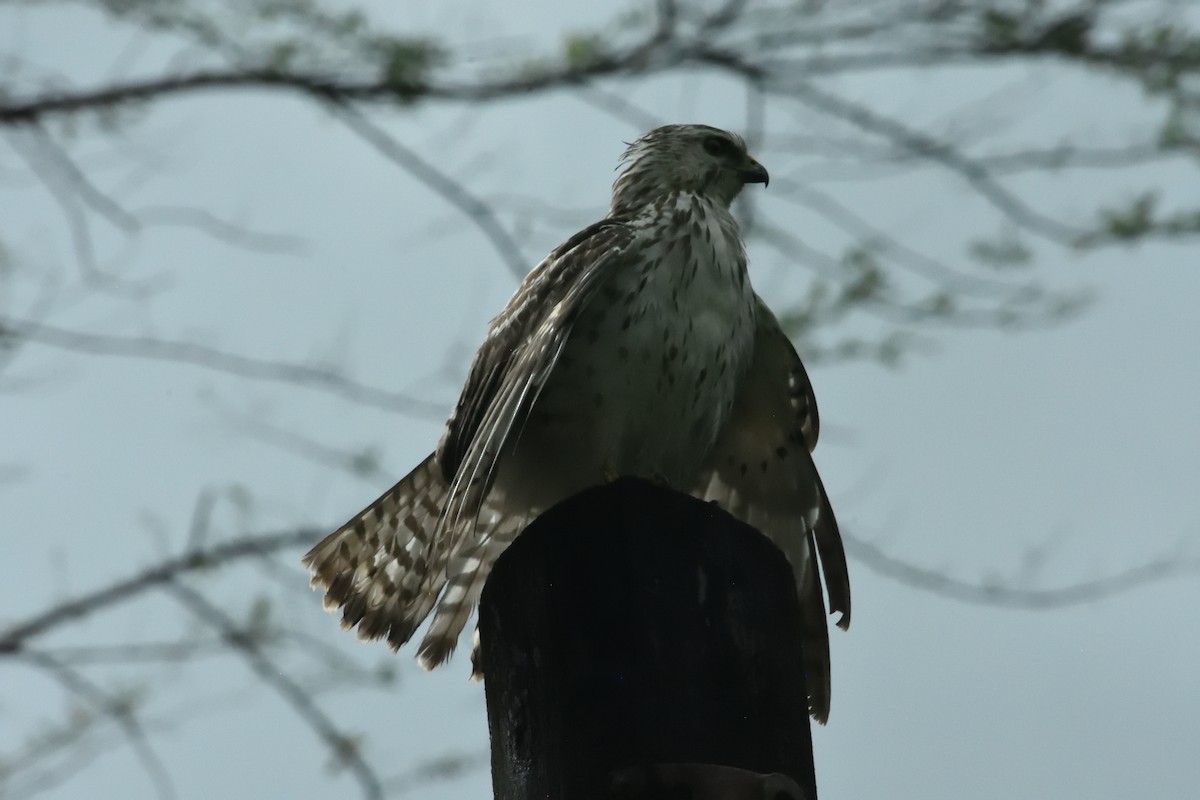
[[719, 146]]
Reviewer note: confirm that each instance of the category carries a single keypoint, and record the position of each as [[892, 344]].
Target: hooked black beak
[[756, 173]]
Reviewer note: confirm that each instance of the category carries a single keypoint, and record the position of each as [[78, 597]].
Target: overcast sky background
[[981, 448]]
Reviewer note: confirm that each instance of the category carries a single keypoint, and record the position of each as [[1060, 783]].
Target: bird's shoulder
[[557, 287]]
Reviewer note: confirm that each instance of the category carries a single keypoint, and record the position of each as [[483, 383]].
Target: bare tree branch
[[174, 652], [121, 713], [936, 271], [923, 145], [15, 638], [1151, 572], [442, 768], [219, 361], [1073, 156], [56, 754], [618, 106], [87, 191], [61, 179], [878, 300], [474, 209], [221, 229], [362, 463], [320, 86], [342, 746]]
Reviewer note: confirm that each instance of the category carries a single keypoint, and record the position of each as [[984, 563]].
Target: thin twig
[[121, 714], [16, 637], [933, 269], [221, 229], [924, 145], [219, 361], [59, 181], [342, 746], [440, 768], [476, 210], [948, 586]]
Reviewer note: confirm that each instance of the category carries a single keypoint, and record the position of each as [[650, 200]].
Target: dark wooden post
[[633, 626]]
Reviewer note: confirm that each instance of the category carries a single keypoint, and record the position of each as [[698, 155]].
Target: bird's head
[[684, 158]]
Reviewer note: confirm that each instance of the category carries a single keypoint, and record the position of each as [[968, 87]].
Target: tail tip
[[433, 653]]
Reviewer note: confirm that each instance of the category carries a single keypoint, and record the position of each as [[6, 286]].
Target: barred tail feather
[[453, 610], [375, 567], [465, 578]]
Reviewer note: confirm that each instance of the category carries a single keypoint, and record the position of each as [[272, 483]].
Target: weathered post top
[[633, 626]]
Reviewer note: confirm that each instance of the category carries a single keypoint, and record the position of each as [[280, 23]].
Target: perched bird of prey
[[637, 347]]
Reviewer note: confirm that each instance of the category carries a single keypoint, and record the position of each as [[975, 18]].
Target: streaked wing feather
[[542, 288], [761, 470], [548, 303]]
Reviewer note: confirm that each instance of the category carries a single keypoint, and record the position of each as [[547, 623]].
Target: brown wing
[[761, 470], [512, 366], [543, 289], [388, 566]]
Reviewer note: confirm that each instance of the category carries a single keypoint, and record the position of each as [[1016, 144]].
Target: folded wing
[[761, 470]]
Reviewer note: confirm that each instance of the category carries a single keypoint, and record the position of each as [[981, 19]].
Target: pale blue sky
[[982, 447]]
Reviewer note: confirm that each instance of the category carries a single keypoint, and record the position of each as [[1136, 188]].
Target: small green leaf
[[1005, 251], [584, 51]]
